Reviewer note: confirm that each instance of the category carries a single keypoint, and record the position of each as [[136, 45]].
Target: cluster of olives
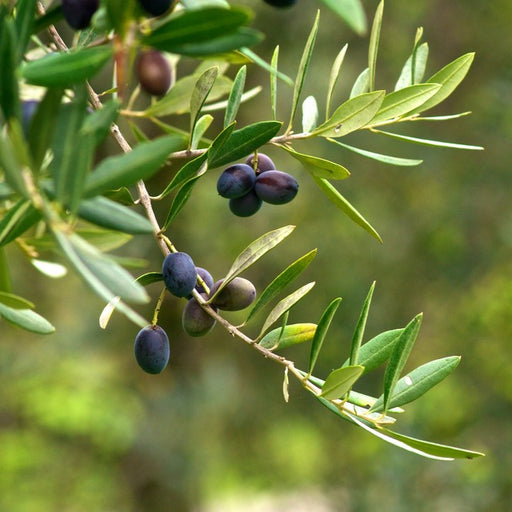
[[247, 185], [181, 277]]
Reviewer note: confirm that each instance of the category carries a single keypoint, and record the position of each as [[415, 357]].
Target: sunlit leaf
[[321, 331], [362, 84], [309, 114], [399, 355], [339, 381], [288, 275], [235, 96], [200, 92], [357, 337], [333, 78], [303, 68], [373, 48], [319, 167], [273, 81], [415, 65], [180, 200], [202, 124], [292, 334], [351, 115], [26, 319], [49, 268], [419, 381], [427, 142], [387, 159], [20, 217], [351, 11], [15, 301], [267, 67], [186, 173]]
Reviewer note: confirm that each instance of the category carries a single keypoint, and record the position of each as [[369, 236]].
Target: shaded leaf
[[17, 220], [26, 319], [292, 334], [340, 381], [99, 122], [267, 67], [351, 115], [219, 105], [235, 96], [24, 22], [11, 158], [373, 48], [66, 68], [180, 200], [15, 301], [9, 91], [285, 304], [414, 67], [357, 337], [398, 358], [362, 84], [288, 275], [351, 11], [150, 278], [200, 92], [321, 331], [319, 167], [186, 173], [340, 202], [419, 381]]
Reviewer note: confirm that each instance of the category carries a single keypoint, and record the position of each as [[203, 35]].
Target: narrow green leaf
[[202, 124], [303, 68], [321, 331], [387, 159], [427, 142], [66, 68], [139, 164], [288, 275], [374, 45], [414, 67], [351, 115], [110, 214], [273, 82], [309, 114], [357, 337], [292, 334], [25, 15], [341, 203], [319, 167], [398, 358], [419, 381], [26, 319], [150, 278], [399, 103], [351, 11], [99, 122], [434, 450], [285, 304], [190, 170], [254, 251], [376, 351], [49, 268], [449, 77], [340, 381], [333, 79], [119, 13], [10, 161], [180, 200], [448, 117], [267, 67], [17, 220], [15, 301], [235, 96], [243, 142], [5, 275], [200, 92], [362, 84], [246, 96], [9, 90]]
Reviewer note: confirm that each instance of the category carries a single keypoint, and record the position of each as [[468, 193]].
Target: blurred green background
[[83, 429]]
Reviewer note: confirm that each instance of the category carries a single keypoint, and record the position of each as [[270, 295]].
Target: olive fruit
[[276, 187], [237, 294], [28, 109], [78, 13], [246, 205], [263, 163], [236, 181], [153, 72], [155, 7], [195, 320], [180, 274], [281, 3], [152, 349], [206, 277]]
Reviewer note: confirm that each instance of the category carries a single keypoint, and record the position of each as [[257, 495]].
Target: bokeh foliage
[[77, 414]]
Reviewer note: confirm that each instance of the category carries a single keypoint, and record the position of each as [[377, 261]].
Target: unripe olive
[[246, 205], [152, 349], [236, 181], [155, 7], [78, 13], [276, 187], [264, 163], [153, 72], [237, 294], [195, 320], [179, 273]]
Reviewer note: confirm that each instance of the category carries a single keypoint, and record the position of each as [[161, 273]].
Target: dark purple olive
[[155, 7], [180, 274], [276, 187], [152, 349], [78, 13], [281, 3], [263, 164], [196, 322], [246, 205], [236, 181]]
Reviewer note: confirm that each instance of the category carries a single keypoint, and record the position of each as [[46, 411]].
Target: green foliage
[[54, 189]]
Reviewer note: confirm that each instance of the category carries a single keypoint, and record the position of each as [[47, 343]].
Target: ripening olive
[[246, 205], [236, 181], [155, 7], [264, 163], [237, 294], [276, 187], [153, 72], [180, 274], [196, 322], [152, 349], [78, 13]]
